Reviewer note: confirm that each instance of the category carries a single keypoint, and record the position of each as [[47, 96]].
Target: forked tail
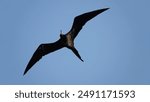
[[75, 51]]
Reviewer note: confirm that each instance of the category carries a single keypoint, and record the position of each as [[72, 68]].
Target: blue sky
[[115, 45]]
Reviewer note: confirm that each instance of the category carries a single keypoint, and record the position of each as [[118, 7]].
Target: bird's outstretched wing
[[79, 21], [42, 50]]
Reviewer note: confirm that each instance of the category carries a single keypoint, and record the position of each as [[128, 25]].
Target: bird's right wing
[[42, 50], [80, 21]]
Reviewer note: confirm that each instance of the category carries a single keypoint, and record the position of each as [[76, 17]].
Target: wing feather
[[80, 21], [43, 50]]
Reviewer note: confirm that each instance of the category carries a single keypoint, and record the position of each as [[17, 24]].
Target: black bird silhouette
[[66, 40]]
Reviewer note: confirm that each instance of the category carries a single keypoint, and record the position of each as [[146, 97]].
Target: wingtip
[[102, 10], [26, 70], [24, 73], [105, 9]]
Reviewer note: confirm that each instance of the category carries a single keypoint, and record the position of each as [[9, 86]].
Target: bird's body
[[65, 40], [70, 42]]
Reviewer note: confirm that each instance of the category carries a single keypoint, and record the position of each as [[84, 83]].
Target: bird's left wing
[[79, 21], [42, 50]]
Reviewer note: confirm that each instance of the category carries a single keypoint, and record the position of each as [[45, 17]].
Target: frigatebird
[[66, 40]]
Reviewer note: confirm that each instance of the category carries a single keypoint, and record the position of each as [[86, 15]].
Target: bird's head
[[61, 34]]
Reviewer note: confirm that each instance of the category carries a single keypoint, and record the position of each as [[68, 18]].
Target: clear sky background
[[115, 45]]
